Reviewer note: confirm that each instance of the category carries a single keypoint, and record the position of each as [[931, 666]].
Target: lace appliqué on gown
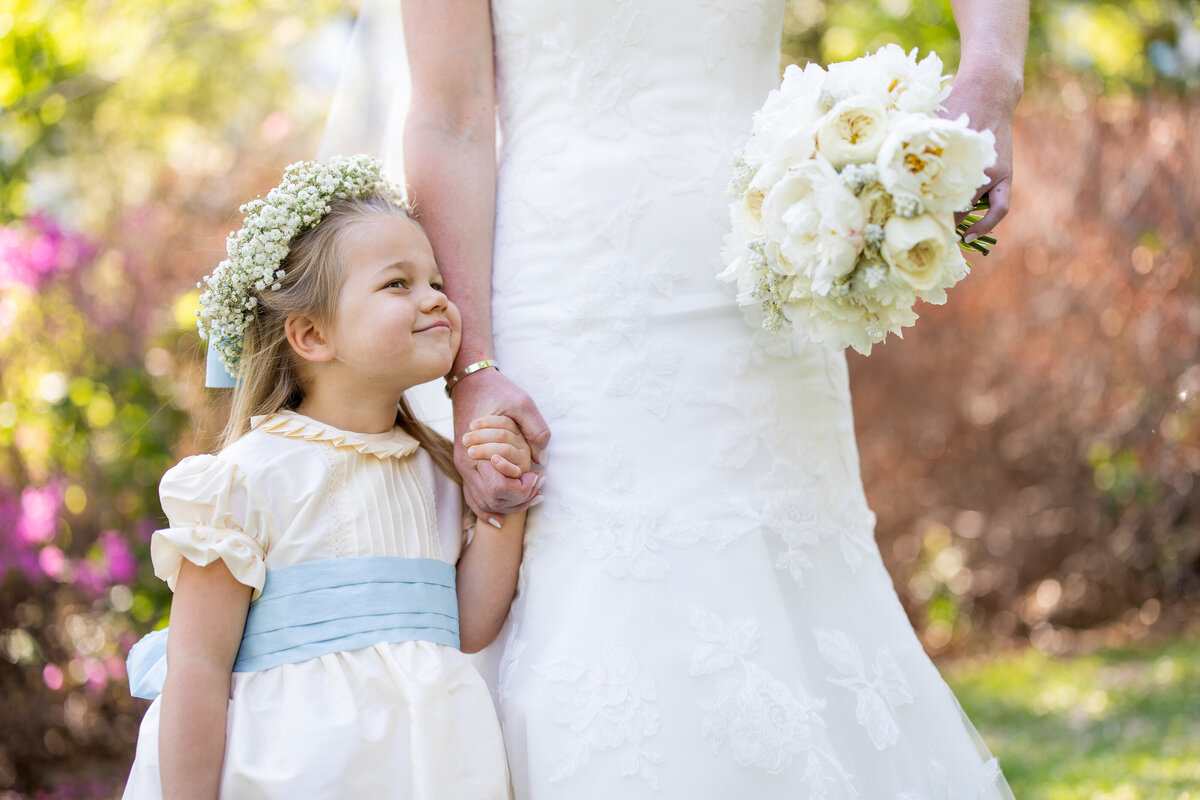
[[608, 74], [627, 532], [878, 693], [766, 724], [605, 706]]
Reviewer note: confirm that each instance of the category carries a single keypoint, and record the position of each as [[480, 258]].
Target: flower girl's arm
[[208, 614], [488, 567]]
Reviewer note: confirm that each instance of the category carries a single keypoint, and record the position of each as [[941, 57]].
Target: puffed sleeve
[[214, 513]]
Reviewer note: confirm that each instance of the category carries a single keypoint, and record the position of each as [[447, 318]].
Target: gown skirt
[[702, 609]]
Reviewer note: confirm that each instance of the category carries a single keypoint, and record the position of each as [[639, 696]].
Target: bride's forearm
[[994, 35], [451, 178], [450, 153]]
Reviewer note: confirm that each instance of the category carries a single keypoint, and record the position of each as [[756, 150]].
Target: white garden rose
[[876, 204], [920, 251], [853, 130], [941, 161]]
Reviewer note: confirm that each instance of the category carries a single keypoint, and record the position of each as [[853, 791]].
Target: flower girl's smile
[[393, 320]]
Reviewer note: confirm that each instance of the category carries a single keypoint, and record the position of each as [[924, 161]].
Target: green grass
[[1117, 724]]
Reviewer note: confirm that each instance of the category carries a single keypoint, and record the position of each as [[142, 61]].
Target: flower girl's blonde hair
[[268, 376]]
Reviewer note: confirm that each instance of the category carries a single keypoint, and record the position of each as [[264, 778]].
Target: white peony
[[791, 111], [920, 251], [817, 223], [747, 210], [844, 199], [941, 161], [853, 130], [900, 82]]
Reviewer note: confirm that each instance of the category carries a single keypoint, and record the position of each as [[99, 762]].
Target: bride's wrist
[[1001, 81], [468, 356]]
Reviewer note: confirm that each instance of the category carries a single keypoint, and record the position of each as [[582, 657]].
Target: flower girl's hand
[[497, 439], [490, 494]]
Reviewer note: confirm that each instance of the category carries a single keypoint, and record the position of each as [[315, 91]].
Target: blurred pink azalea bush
[[36, 250]]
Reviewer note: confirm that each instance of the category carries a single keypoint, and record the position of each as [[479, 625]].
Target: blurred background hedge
[[1031, 448]]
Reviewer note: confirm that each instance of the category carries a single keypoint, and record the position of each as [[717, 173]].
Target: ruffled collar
[[393, 444]]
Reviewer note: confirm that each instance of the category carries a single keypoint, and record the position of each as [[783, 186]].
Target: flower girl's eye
[[438, 286], [399, 283]]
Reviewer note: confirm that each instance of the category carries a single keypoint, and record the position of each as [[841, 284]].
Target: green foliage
[[110, 90], [1117, 724], [1125, 45]]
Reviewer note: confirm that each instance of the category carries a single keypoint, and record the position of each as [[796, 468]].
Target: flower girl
[[322, 585]]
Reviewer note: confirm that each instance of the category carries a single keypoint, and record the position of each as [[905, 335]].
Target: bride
[[702, 611]]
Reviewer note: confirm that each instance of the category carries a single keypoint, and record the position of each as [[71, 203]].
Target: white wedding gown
[[702, 609]]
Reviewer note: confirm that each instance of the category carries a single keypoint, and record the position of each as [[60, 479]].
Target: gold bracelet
[[453, 380]]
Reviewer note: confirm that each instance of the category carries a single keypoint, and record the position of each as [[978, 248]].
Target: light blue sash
[[328, 606]]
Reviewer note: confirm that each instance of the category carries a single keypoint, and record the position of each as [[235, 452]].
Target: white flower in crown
[[257, 251], [939, 161]]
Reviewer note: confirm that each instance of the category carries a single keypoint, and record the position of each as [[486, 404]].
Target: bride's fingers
[[999, 198]]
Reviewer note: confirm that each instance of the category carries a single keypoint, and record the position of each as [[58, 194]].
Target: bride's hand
[[489, 493], [989, 103]]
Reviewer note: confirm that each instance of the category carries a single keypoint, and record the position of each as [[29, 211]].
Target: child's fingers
[[506, 467], [495, 421], [493, 436], [484, 452]]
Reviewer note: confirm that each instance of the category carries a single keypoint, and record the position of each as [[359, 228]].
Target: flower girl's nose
[[433, 299]]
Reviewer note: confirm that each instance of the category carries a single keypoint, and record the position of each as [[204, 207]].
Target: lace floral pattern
[[514, 648], [647, 377], [738, 23], [607, 75], [611, 305], [626, 532], [611, 705], [766, 724], [879, 689]]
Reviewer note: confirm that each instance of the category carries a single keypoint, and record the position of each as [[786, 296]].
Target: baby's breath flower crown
[[256, 252]]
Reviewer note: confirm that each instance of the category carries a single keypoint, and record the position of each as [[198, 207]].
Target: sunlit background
[[1031, 448]]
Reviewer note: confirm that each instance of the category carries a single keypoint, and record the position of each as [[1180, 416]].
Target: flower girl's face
[[394, 324]]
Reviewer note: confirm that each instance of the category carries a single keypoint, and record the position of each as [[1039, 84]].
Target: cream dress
[[404, 720]]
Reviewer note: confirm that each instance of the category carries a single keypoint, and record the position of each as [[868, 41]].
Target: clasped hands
[[498, 437]]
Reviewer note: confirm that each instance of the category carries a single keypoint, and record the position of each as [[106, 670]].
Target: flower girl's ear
[[307, 337]]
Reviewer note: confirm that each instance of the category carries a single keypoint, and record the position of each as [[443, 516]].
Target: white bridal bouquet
[[845, 197]]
